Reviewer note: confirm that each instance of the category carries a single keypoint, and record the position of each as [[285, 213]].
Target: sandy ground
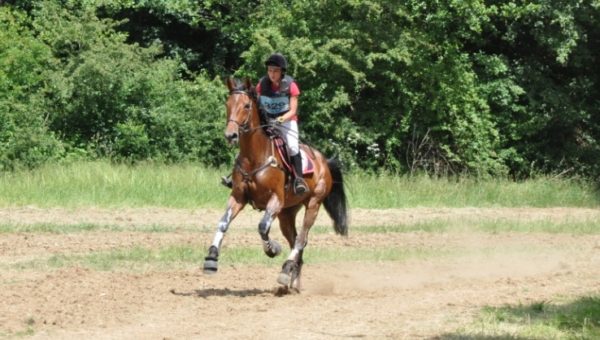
[[420, 297]]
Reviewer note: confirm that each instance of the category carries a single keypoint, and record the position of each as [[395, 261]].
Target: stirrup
[[300, 186], [226, 181]]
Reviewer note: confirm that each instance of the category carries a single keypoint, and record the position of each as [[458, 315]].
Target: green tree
[[380, 76], [122, 100], [479, 87], [24, 64], [549, 102]]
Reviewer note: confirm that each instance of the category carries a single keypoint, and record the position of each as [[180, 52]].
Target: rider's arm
[[294, 92]]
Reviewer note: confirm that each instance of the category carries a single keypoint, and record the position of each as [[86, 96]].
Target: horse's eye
[[247, 106]]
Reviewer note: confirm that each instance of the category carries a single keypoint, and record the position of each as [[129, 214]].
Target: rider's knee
[[293, 149]]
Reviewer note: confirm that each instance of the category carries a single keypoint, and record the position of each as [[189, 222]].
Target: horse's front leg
[[271, 247], [234, 206]]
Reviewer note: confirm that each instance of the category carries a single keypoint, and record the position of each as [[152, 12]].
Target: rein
[[245, 128]]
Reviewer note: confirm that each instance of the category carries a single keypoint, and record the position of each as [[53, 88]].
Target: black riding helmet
[[277, 59]]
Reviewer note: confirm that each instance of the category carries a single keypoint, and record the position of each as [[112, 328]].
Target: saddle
[[308, 166], [279, 144]]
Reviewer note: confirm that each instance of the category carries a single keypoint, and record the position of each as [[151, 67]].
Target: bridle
[[243, 127]]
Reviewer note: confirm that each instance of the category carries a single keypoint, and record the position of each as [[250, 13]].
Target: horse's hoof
[[284, 279], [288, 272], [283, 291], [272, 249], [210, 266]]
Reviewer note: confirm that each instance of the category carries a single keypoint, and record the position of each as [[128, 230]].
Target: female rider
[[278, 99]]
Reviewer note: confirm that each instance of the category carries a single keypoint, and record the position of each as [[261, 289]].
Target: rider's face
[[274, 73]]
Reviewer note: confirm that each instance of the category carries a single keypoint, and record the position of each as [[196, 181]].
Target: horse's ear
[[230, 84], [248, 83]]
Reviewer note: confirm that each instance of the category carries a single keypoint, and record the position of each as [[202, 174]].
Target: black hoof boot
[[211, 262], [288, 273], [272, 248]]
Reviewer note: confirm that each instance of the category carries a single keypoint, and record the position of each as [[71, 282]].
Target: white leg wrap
[[218, 239], [293, 254], [222, 229]]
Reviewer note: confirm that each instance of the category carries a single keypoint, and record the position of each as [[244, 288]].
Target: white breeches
[[289, 131]]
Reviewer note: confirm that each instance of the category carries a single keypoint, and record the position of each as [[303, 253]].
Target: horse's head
[[240, 109]]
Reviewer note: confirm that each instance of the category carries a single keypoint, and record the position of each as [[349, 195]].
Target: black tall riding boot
[[300, 186], [227, 181]]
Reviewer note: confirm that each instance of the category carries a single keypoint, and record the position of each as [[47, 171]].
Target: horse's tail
[[336, 203]]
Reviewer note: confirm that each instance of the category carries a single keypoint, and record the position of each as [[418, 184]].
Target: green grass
[[103, 184], [490, 226], [403, 191], [183, 256], [574, 319], [27, 332], [52, 228], [497, 225], [179, 256], [108, 185]]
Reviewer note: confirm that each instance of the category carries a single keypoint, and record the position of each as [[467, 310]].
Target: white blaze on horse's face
[[238, 115]]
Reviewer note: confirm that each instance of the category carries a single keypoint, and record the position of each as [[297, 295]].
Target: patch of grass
[[382, 192], [119, 258], [103, 184], [487, 226], [383, 254], [441, 225], [183, 255], [52, 228], [255, 255], [576, 319], [546, 226], [27, 331]]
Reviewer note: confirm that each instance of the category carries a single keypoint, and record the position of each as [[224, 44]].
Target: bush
[[24, 67], [124, 101]]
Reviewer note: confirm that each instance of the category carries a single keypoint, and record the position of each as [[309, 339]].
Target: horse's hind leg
[[291, 272], [287, 224], [211, 261]]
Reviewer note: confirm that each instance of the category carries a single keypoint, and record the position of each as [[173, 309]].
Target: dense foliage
[[445, 87]]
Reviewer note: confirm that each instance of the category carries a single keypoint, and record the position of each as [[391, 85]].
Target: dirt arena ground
[[421, 297]]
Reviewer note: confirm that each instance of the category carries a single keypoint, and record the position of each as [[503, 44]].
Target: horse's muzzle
[[232, 137]]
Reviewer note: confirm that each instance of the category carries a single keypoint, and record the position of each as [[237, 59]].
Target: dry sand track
[[420, 297]]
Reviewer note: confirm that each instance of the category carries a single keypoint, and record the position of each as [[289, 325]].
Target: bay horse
[[260, 179]]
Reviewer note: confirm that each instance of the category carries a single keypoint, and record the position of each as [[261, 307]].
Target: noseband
[[245, 126]]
